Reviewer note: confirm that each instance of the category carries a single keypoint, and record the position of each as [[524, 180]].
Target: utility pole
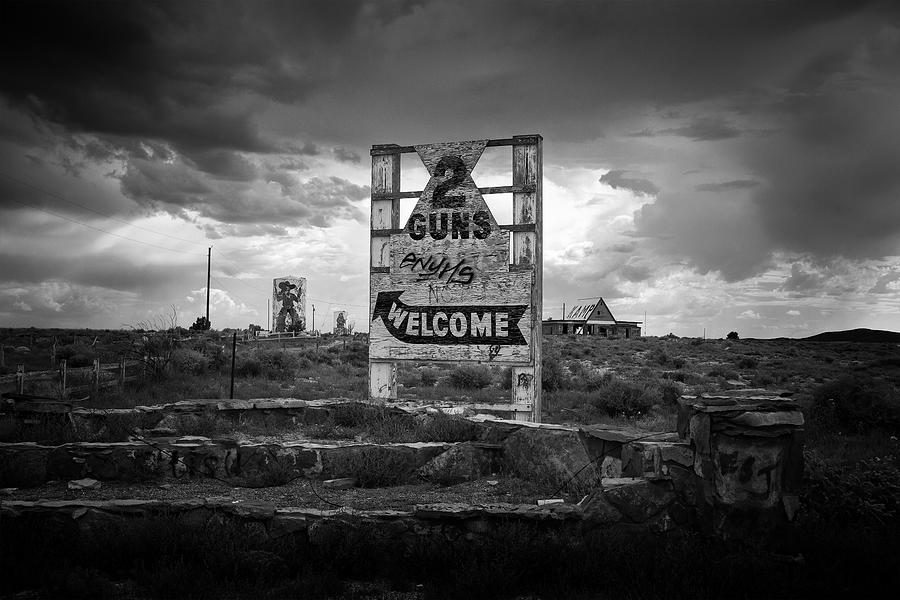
[[268, 314], [314, 320], [645, 323], [208, 276]]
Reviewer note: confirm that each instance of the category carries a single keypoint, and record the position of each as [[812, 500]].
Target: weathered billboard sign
[[340, 323], [450, 283], [289, 304]]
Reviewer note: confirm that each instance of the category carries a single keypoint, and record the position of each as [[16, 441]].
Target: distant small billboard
[[289, 304], [341, 324]]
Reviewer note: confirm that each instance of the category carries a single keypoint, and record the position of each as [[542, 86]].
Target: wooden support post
[[385, 216], [20, 379], [527, 250], [2, 357], [121, 373]]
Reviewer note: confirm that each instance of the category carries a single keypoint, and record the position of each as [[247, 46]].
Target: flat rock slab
[[27, 464], [556, 456]]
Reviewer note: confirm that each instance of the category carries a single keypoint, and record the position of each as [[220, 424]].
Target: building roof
[[592, 311]]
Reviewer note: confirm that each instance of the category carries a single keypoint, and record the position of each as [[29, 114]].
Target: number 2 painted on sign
[[440, 199]]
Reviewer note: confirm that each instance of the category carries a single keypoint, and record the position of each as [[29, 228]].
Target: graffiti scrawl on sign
[[450, 264]]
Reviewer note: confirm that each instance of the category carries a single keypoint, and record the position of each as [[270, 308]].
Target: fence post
[[63, 372], [233, 348], [53, 354], [2, 357], [95, 379], [121, 373], [20, 379]]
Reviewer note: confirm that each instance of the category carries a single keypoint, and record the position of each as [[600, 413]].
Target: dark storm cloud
[[224, 164], [345, 155], [197, 82], [714, 234], [704, 129], [825, 177], [724, 186], [162, 70], [832, 177], [175, 187], [616, 179], [634, 272], [101, 271], [801, 281]]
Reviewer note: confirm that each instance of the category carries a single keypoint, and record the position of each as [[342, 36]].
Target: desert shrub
[[722, 372], [276, 364], [185, 360], [351, 414], [357, 354], [248, 366], [675, 376], [373, 466], [658, 357], [470, 377], [385, 427], [677, 362], [428, 376], [553, 376], [732, 335], [205, 423], [669, 393], [408, 379], [763, 380], [592, 381], [856, 404], [746, 362], [329, 431], [441, 427], [865, 494], [506, 376], [619, 397], [76, 355]]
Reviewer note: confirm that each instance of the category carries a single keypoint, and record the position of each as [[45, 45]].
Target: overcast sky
[[727, 165]]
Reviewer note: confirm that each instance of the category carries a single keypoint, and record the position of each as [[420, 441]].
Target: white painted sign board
[[451, 284]]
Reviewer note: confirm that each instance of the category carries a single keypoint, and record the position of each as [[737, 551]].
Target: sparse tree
[[732, 335], [160, 338], [201, 324]]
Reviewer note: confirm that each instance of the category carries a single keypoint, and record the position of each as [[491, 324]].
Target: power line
[[267, 291], [221, 286], [95, 211], [124, 237]]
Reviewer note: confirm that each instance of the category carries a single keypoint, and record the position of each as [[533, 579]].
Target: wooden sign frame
[[497, 321]]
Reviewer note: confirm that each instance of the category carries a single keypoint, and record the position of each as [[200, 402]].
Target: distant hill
[[856, 335]]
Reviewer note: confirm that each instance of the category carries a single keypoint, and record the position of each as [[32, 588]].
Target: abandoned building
[[591, 317]]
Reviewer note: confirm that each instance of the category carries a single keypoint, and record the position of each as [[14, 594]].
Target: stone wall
[[733, 468]]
